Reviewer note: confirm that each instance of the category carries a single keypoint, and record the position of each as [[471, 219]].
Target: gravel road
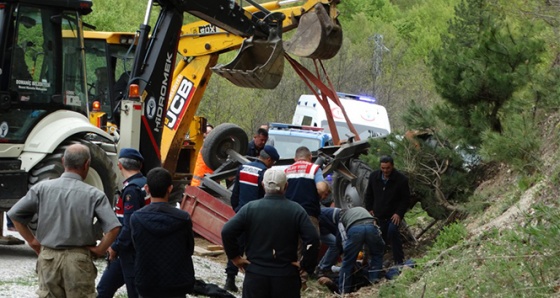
[[19, 280]]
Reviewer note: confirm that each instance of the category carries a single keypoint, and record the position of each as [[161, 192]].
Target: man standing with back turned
[[272, 226], [65, 240], [248, 187], [304, 184], [164, 242], [387, 198]]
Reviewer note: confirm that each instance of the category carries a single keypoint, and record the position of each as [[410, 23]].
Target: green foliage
[[484, 59], [517, 145], [519, 262], [450, 236], [435, 170], [121, 16]]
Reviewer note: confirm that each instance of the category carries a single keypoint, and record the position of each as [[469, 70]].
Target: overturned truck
[[209, 204]]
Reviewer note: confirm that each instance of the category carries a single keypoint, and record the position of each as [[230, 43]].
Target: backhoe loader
[[44, 96], [200, 45]]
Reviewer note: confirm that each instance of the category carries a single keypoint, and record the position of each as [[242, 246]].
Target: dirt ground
[[201, 242]]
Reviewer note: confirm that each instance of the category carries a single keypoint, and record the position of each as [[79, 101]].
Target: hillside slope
[[507, 249]]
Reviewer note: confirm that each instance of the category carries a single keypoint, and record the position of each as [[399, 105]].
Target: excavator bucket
[[258, 64], [318, 36]]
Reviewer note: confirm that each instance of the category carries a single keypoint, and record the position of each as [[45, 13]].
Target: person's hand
[[112, 254], [240, 263], [35, 245], [298, 266], [396, 219], [96, 251]]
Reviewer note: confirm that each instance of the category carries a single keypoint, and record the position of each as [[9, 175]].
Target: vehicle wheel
[[100, 175], [225, 136], [345, 194]]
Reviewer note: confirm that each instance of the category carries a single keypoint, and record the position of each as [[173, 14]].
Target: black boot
[[230, 283]]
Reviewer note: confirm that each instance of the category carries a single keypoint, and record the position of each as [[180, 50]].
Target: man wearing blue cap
[[120, 269], [248, 187]]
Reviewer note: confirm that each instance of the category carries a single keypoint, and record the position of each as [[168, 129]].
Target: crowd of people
[[280, 222]]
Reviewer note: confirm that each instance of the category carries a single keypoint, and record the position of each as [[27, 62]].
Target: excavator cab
[[110, 56], [42, 79], [40, 72]]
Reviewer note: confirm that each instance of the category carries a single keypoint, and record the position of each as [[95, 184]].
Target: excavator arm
[[201, 43], [156, 53]]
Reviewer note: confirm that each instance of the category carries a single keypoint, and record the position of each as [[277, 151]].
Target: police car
[[286, 138]]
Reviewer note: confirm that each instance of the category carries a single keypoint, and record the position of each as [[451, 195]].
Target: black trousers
[[260, 286]]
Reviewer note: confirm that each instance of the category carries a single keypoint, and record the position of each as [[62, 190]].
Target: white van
[[369, 119]]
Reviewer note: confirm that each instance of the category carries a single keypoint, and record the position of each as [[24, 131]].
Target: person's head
[[260, 138], [274, 181], [209, 128], [101, 74], [303, 153], [269, 155], [159, 183], [77, 159], [264, 126], [324, 189], [386, 165], [130, 160]]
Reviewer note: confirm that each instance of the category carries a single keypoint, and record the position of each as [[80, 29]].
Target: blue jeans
[[358, 236], [9, 222], [332, 253], [391, 235]]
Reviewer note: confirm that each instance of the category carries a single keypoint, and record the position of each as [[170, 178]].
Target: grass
[[520, 262]]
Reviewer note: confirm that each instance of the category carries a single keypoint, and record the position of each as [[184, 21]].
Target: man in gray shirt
[[359, 230], [65, 240]]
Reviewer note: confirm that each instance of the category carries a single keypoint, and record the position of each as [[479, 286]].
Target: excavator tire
[[223, 137], [317, 36], [100, 175], [347, 195]]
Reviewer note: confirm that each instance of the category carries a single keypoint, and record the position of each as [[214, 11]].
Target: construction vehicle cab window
[[109, 57], [35, 84]]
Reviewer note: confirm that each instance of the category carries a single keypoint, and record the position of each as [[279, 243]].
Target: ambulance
[[369, 119]]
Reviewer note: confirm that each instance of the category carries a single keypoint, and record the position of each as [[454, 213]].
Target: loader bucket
[[258, 64], [317, 36]]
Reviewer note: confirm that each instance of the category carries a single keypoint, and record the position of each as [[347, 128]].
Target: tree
[[483, 60], [438, 178]]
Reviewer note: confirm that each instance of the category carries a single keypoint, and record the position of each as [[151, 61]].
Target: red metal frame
[[208, 213]]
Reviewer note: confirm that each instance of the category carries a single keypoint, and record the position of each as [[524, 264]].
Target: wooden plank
[[204, 252], [214, 247]]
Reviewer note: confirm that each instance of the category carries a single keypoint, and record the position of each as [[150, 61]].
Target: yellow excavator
[[259, 64]]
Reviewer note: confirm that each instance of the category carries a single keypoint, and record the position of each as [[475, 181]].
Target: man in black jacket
[[164, 242], [272, 227], [248, 187], [387, 198]]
